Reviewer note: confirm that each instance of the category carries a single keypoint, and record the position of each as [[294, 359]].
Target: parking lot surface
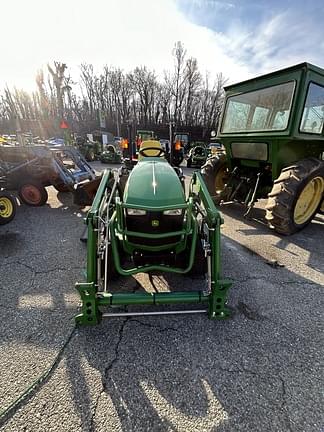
[[261, 370]]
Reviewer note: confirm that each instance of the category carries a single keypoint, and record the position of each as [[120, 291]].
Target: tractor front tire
[[8, 208], [215, 174], [33, 194], [199, 267], [189, 163], [296, 196], [112, 273]]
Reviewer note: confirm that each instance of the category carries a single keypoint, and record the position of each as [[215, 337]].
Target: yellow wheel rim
[[220, 179], [6, 207], [308, 200], [322, 206]]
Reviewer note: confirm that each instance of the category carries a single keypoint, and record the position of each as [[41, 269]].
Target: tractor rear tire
[[8, 208], [296, 196], [33, 193], [189, 163], [215, 174]]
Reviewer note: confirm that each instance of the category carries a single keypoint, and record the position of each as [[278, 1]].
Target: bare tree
[[144, 83], [58, 80], [177, 83], [192, 84], [183, 95]]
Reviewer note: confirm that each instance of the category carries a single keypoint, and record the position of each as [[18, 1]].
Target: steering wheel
[[159, 151]]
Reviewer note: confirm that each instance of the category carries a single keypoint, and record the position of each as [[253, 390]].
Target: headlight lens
[[136, 212], [175, 212], [254, 151]]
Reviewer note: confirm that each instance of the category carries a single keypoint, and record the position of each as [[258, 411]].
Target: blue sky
[[262, 33], [241, 39]]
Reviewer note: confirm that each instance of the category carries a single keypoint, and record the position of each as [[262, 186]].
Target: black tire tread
[[199, 266], [209, 171], [285, 191]]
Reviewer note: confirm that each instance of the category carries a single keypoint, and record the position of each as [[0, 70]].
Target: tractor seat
[[150, 153]]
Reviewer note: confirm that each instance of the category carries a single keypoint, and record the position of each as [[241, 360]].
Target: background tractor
[[110, 155], [272, 130], [179, 144], [132, 144], [91, 150], [197, 155], [142, 221], [30, 169]]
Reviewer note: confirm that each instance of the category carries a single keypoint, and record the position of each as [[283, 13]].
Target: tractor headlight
[[175, 212], [254, 151], [136, 212]]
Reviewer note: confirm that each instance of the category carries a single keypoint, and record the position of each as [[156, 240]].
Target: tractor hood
[[154, 183]]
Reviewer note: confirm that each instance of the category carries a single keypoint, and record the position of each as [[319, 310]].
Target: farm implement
[[30, 169], [142, 221]]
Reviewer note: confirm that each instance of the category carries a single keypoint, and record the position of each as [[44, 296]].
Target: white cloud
[[124, 33], [280, 41], [129, 33]]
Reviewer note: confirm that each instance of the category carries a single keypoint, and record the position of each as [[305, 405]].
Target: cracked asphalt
[[262, 370]]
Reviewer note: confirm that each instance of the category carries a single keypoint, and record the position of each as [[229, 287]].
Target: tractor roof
[[300, 66]]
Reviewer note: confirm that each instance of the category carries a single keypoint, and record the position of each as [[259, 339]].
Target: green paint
[[168, 195], [286, 145], [153, 183]]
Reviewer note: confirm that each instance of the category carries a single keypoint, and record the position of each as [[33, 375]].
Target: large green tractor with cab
[[144, 221], [272, 130]]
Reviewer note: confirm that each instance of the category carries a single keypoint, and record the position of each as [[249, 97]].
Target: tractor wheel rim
[[322, 206], [220, 179], [309, 200], [31, 194], [6, 207]]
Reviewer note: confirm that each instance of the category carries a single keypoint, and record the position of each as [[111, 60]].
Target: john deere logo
[[155, 223]]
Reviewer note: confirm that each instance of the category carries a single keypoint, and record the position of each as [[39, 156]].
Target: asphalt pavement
[[261, 370]]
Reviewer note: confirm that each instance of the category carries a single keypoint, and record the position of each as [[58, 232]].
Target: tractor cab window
[[261, 110], [313, 114]]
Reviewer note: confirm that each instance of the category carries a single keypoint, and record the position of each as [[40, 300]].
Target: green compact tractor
[[143, 221], [272, 131], [91, 150], [197, 155], [110, 155]]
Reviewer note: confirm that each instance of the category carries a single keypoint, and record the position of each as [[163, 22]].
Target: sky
[[240, 38]]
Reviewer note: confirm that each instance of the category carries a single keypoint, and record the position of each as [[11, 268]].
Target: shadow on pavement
[[309, 239], [257, 371]]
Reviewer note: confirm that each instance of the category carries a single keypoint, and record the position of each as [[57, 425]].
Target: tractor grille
[[154, 223]]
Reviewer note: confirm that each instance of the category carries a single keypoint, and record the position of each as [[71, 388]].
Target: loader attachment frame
[[106, 231]]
